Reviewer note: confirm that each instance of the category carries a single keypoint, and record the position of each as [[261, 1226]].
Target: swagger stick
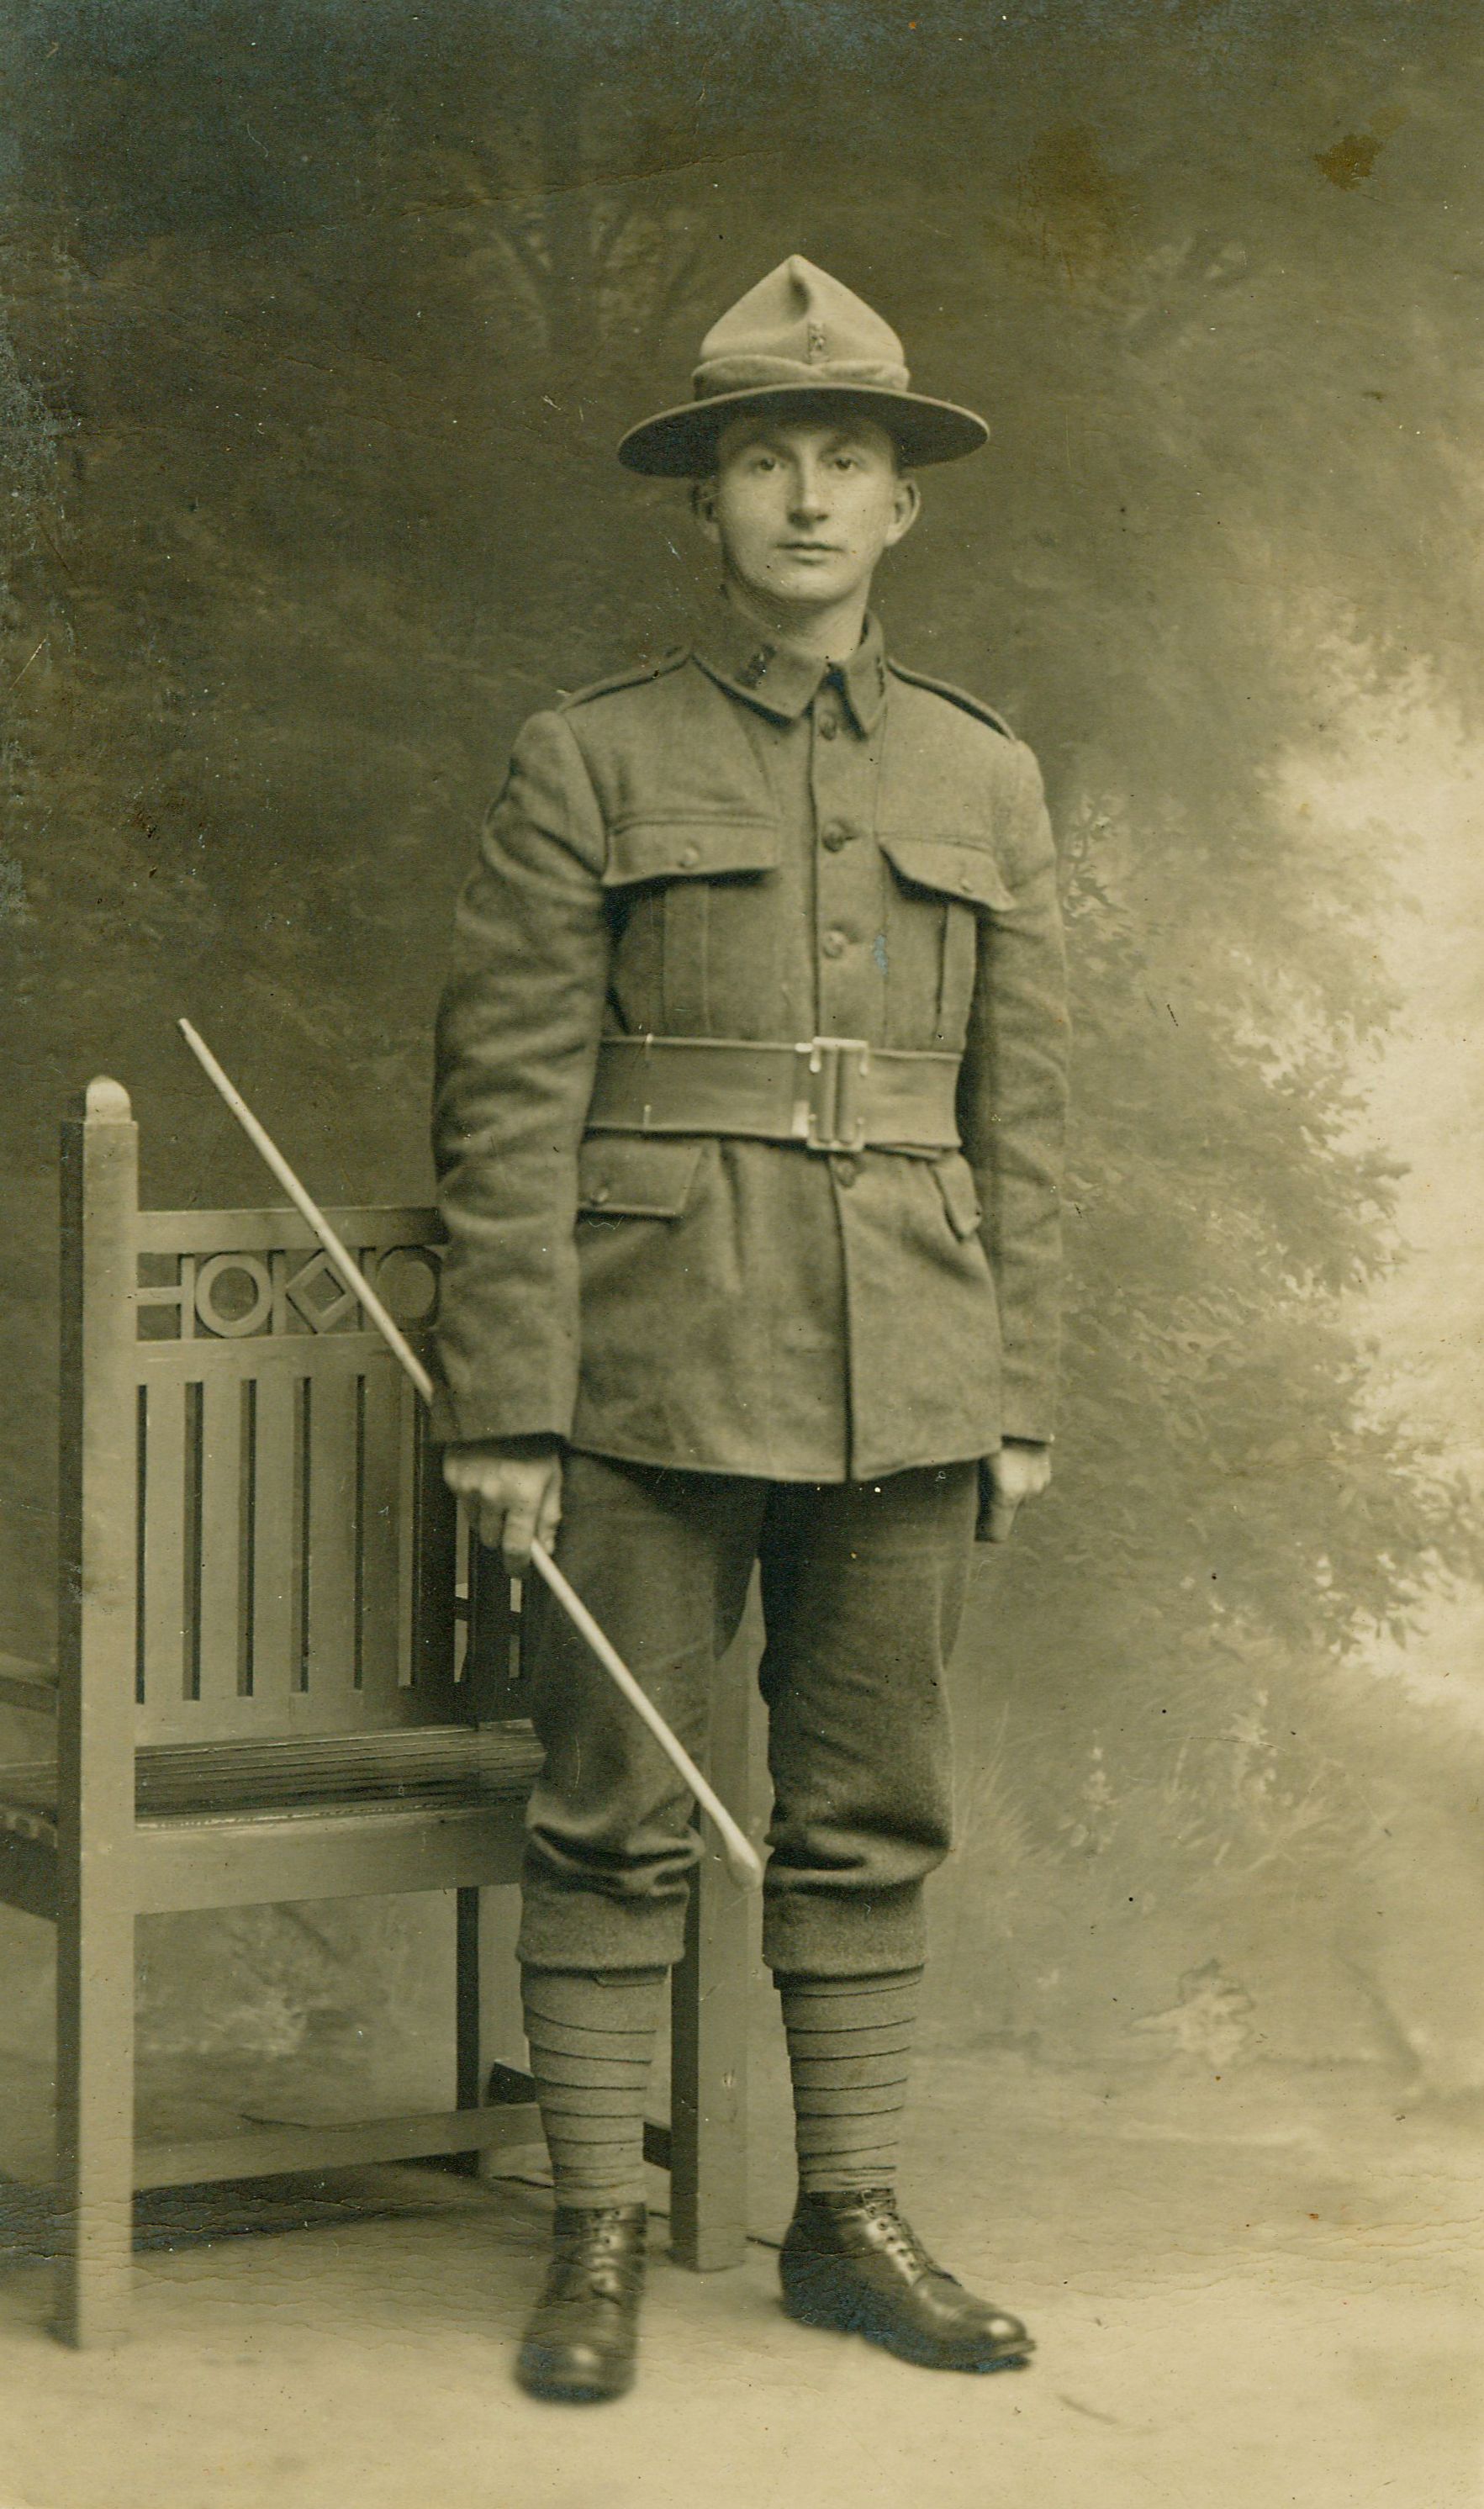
[[741, 1857]]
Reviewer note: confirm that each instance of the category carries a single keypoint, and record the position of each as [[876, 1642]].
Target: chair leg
[[95, 2118], [489, 2031], [708, 2093], [708, 2016]]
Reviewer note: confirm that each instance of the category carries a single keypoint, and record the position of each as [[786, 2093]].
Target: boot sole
[[814, 2299], [549, 2387]]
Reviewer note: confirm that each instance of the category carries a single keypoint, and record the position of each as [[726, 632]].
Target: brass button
[[689, 856], [966, 883], [829, 726], [601, 1193], [835, 943], [845, 1170], [836, 835]]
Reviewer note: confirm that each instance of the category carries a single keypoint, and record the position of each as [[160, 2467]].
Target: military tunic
[[740, 842]]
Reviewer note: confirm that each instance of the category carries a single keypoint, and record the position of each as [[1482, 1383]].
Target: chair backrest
[[259, 1523]]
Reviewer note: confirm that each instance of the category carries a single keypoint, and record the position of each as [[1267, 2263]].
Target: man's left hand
[[1019, 1472]]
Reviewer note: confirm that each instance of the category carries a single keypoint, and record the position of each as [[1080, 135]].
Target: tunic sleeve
[[516, 1049], [1013, 1104]]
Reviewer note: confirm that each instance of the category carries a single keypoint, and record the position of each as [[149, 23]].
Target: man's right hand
[[517, 1495]]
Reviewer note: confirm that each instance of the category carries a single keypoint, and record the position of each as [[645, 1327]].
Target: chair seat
[[433, 1764]]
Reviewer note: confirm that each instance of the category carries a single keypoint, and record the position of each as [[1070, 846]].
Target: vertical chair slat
[[408, 1442], [275, 1563], [332, 1531], [223, 1622], [381, 1533], [436, 1569], [164, 1618]]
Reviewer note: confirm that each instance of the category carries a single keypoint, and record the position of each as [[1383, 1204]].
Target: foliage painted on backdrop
[[336, 377]]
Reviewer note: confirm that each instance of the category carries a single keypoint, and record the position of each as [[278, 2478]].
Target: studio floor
[[1248, 2294]]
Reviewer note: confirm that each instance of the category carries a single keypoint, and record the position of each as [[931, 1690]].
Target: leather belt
[[833, 1093]]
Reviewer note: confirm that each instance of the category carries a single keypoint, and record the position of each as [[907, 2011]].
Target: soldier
[[750, 1095]]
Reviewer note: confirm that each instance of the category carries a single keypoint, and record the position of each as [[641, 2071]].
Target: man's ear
[[703, 505], [907, 505]]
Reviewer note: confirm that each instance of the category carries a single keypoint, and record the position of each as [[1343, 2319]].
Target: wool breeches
[[863, 1585]]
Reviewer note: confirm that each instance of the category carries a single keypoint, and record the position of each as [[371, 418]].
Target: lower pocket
[[630, 1175], [960, 1195]]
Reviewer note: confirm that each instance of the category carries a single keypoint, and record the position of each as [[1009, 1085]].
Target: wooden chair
[[270, 1687]]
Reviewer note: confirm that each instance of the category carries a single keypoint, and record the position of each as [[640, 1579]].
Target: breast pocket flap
[[626, 1175], [960, 867], [688, 848]]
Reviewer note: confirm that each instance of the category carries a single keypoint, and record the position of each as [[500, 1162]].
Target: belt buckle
[[827, 1116]]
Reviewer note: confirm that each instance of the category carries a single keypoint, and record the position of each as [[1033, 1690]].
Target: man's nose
[[809, 498]]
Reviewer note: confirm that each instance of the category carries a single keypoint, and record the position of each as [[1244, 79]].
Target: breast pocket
[[959, 872], [666, 878]]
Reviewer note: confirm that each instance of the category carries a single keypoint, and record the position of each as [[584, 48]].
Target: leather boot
[[583, 2334], [851, 2262]]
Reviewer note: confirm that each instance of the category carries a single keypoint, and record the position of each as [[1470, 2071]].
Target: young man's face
[[804, 509]]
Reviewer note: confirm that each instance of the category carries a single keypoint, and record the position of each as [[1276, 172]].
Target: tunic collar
[[775, 676]]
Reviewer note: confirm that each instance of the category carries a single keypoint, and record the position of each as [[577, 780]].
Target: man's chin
[[807, 572], [810, 586]]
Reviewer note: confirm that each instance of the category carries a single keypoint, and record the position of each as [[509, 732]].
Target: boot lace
[[596, 2253], [896, 2237]]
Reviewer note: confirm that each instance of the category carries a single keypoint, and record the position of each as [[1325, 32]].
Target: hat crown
[[798, 327], [798, 338]]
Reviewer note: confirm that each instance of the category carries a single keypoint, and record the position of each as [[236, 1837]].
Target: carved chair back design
[[295, 1545]]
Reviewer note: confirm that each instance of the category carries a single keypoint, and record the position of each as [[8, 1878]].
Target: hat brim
[[680, 443]]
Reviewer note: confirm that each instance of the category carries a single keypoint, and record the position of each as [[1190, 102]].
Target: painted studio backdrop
[[321, 323]]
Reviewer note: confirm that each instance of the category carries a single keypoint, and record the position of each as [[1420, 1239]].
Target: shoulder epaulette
[[955, 696], [633, 678]]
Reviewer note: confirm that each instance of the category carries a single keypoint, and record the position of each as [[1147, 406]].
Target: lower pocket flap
[[960, 1198], [626, 1175]]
